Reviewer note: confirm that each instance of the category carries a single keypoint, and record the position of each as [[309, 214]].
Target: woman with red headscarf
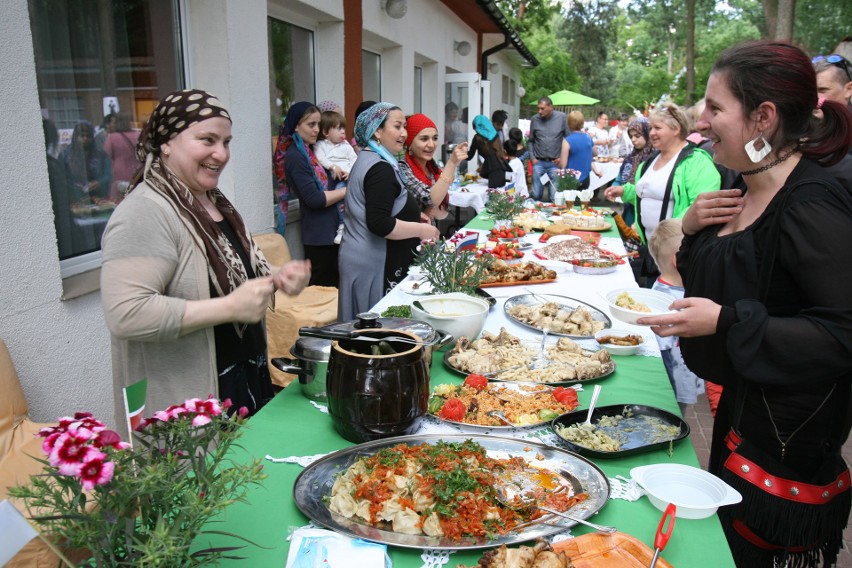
[[420, 172]]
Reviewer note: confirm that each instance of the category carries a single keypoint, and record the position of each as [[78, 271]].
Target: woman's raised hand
[[614, 191], [712, 208], [248, 302], [459, 154], [293, 277]]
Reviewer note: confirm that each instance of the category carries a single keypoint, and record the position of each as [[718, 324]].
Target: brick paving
[[701, 425]]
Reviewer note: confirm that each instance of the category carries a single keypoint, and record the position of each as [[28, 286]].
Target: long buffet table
[[291, 426]]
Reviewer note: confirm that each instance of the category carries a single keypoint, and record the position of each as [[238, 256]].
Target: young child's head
[[664, 244], [516, 134], [512, 148], [332, 127]]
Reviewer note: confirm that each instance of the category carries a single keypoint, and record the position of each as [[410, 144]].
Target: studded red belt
[[785, 488]]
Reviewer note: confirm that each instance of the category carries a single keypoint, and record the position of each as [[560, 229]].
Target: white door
[[467, 95]]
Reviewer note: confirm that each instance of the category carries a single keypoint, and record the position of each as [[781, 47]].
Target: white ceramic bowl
[[658, 302], [458, 314], [696, 493], [619, 349]]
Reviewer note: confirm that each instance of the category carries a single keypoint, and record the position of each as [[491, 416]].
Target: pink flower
[[201, 420], [226, 404], [96, 470], [243, 412], [110, 438], [49, 441], [170, 413], [69, 451], [210, 406]]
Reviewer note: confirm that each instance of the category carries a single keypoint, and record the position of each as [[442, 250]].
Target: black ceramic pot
[[377, 396]]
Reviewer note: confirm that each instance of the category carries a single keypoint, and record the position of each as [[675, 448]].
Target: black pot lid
[[319, 350]]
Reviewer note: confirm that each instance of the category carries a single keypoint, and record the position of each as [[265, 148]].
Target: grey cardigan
[[151, 267]]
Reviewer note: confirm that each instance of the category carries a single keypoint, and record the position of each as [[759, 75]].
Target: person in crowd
[[600, 135], [518, 136], [663, 246], [329, 106], [68, 239], [184, 288], [309, 181], [580, 149], [420, 173], [667, 183], [362, 106], [87, 168], [336, 155], [455, 130], [106, 128], [619, 140], [763, 313], [519, 174], [547, 146], [120, 147], [486, 143], [383, 221], [498, 119], [639, 131], [834, 78]]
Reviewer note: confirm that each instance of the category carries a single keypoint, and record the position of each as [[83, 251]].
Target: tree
[[555, 70], [589, 31]]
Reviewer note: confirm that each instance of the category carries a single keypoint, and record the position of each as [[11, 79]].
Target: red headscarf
[[414, 125]]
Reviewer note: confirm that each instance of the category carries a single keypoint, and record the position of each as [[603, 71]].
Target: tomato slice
[[476, 381], [453, 409]]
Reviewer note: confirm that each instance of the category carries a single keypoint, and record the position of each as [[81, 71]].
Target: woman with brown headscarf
[[183, 285]]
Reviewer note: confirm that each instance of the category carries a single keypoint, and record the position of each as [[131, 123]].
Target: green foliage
[[821, 24], [161, 495]]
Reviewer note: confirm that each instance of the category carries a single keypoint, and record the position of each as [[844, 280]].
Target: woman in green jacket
[[669, 181]]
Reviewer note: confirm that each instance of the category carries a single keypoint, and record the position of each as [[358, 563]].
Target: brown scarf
[[174, 114]]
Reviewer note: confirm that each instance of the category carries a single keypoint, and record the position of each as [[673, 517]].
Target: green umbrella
[[570, 98]]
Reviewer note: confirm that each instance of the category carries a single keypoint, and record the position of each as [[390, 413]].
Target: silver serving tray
[[510, 385], [495, 375], [314, 484], [564, 301]]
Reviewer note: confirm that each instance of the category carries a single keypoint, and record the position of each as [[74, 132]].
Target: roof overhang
[[494, 23]]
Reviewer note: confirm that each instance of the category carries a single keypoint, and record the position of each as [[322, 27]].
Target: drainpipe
[[484, 57]]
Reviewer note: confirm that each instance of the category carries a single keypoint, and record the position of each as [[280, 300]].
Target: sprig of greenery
[[448, 270], [567, 180], [501, 205]]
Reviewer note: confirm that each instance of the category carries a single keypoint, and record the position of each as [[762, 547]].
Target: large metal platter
[[315, 482], [611, 366], [638, 439], [564, 301], [517, 387]]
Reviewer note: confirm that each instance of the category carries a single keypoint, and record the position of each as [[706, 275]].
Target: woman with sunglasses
[[764, 313]]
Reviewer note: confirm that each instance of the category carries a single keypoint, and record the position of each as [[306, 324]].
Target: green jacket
[[694, 172]]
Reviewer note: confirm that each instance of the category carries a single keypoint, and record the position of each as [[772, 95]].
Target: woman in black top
[[767, 312]]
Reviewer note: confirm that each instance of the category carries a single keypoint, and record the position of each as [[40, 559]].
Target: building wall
[[61, 348]]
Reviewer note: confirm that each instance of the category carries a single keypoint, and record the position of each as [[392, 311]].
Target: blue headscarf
[[294, 115], [366, 125], [483, 126]]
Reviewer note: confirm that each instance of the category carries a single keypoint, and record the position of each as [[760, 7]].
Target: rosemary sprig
[[448, 270]]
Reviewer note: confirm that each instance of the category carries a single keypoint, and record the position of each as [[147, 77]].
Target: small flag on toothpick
[[134, 404]]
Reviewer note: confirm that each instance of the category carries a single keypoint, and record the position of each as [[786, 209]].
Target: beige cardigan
[[151, 267]]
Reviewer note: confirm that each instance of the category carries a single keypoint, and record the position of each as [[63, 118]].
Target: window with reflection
[[101, 68], [291, 68], [372, 75]]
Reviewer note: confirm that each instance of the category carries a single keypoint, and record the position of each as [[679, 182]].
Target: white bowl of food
[[630, 304], [458, 314], [696, 493], [619, 341]]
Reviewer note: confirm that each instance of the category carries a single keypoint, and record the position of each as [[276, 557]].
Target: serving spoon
[[594, 401]]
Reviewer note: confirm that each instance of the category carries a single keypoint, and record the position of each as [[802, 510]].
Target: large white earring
[[754, 154]]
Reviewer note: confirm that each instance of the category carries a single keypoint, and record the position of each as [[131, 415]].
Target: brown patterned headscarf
[[175, 113]]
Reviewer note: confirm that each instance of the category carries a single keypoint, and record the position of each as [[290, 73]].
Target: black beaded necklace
[[771, 164]]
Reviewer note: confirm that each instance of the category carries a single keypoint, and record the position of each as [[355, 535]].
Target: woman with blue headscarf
[[383, 224], [305, 177], [494, 167]]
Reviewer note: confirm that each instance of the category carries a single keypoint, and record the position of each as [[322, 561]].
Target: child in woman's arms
[[335, 154]]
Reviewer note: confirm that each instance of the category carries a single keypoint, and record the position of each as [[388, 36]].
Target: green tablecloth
[[291, 426]]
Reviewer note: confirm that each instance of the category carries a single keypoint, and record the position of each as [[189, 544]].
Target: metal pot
[[311, 354]]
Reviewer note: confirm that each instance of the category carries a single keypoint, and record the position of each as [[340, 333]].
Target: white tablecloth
[[475, 194], [587, 288]]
